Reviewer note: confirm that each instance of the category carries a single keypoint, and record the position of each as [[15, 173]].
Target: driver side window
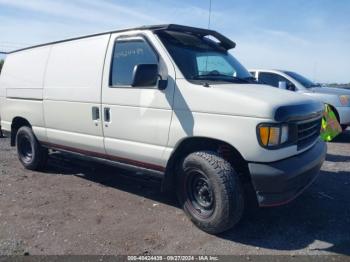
[[126, 55]]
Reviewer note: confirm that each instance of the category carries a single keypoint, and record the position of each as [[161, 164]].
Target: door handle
[[107, 114], [95, 113]]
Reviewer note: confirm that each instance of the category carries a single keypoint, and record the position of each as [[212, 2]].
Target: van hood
[[249, 100], [331, 90], [280, 105]]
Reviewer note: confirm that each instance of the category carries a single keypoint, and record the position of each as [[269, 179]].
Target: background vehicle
[[337, 98], [166, 100]]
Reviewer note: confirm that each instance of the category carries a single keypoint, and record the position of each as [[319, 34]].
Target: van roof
[[224, 41]]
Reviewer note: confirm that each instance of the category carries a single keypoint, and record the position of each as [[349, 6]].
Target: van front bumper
[[280, 182]]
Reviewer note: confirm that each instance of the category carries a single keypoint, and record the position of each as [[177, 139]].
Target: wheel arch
[[17, 123], [192, 144]]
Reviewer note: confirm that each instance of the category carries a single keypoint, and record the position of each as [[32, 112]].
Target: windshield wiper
[[251, 78], [220, 77]]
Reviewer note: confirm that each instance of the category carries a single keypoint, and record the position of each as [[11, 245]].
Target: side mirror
[[145, 75], [291, 87], [282, 85]]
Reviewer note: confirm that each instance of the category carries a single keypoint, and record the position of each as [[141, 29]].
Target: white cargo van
[[337, 98], [169, 101]]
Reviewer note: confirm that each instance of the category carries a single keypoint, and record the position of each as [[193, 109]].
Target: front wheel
[[30, 153], [210, 192]]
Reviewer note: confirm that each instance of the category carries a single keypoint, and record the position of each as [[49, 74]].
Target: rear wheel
[[210, 192], [30, 153]]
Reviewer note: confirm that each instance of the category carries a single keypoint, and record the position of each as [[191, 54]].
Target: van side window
[[126, 55], [271, 79]]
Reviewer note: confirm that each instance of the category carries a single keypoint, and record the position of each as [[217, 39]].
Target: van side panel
[[74, 71], [72, 89], [21, 85], [23, 73]]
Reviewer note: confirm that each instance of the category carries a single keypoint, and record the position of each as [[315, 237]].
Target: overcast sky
[[311, 37]]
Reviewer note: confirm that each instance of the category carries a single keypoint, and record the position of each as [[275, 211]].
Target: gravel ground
[[79, 207]]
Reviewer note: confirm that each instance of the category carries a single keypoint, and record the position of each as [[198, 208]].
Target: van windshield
[[200, 58], [302, 80]]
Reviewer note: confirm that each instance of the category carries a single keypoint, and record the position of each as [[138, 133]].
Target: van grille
[[308, 132]]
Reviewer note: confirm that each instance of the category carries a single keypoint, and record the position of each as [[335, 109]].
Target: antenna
[[209, 14]]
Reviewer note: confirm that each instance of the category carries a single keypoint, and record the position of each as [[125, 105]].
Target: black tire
[[344, 127], [30, 153], [210, 192]]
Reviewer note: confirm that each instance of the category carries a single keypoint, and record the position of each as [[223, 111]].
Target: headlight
[[344, 100], [273, 135]]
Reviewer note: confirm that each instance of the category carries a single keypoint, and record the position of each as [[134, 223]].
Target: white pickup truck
[[170, 101], [337, 98]]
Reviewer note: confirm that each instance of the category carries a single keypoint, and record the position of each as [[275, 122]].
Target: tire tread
[[232, 193]]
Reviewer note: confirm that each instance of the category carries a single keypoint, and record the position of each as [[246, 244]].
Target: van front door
[[136, 120]]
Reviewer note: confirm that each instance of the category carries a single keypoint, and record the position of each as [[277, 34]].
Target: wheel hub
[[25, 149], [200, 194]]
